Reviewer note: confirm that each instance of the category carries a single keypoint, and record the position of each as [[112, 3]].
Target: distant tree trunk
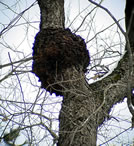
[[60, 61], [129, 19]]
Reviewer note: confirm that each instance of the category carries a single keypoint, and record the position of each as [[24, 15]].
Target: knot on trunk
[[54, 51]]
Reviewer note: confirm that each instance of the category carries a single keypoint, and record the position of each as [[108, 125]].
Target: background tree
[[60, 60]]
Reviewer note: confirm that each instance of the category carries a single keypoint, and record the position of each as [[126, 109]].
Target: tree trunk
[[76, 108], [129, 19], [52, 14], [85, 107], [60, 59]]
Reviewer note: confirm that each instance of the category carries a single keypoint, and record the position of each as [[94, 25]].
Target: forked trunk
[[60, 59]]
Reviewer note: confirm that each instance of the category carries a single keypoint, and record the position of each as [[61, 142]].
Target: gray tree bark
[[84, 107], [52, 14]]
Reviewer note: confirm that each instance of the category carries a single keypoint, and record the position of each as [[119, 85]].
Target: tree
[[84, 107], [60, 59]]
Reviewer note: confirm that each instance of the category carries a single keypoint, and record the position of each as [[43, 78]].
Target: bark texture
[[76, 108], [85, 107], [52, 14], [60, 60]]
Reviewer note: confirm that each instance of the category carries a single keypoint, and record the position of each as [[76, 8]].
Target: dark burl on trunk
[[54, 51]]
